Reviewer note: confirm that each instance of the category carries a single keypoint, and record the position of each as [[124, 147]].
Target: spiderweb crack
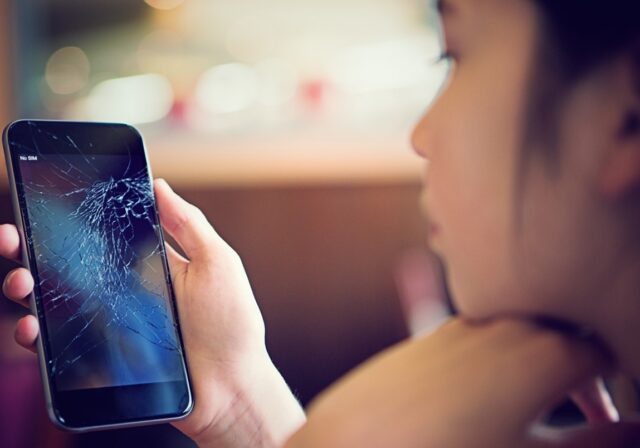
[[93, 266]]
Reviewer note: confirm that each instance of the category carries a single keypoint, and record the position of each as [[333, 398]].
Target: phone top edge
[[11, 124], [47, 120]]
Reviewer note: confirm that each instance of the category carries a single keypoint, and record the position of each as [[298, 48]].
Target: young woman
[[533, 194]]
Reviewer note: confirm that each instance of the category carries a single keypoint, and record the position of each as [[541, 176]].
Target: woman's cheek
[[474, 243]]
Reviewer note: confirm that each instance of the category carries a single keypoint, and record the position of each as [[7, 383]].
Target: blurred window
[[347, 70]]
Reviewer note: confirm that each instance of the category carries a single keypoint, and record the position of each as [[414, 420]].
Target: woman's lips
[[432, 226], [434, 238]]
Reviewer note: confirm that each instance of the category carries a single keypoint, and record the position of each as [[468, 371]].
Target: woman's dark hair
[[586, 33], [576, 37]]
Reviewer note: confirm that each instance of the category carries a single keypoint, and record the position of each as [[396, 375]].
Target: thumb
[[185, 223]]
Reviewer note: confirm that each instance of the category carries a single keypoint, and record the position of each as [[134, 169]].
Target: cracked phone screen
[[99, 264]]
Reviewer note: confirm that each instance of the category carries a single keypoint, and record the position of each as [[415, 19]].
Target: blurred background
[[288, 123]]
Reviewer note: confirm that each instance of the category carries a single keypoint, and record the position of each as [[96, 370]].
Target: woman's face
[[473, 139]]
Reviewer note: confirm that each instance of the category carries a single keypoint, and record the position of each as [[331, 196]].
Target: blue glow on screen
[[99, 257]]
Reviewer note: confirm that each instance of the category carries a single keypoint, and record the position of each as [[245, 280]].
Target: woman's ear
[[620, 176]]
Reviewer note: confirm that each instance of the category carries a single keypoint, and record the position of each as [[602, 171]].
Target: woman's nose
[[419, 137]]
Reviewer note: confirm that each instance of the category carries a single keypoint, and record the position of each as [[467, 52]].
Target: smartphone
[[110, 349]]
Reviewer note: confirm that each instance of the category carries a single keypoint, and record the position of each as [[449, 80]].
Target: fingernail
[[609, 405], [6, 282], [10, 276]]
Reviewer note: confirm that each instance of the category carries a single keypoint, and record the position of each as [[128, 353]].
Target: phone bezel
[[60, 403]]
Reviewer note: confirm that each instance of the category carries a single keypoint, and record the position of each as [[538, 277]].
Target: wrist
[[259, 408]]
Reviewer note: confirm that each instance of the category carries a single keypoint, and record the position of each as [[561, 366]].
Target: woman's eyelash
[[445, 56]]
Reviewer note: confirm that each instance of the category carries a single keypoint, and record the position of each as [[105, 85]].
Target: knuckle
[[197, 213], [180, 221], [199, 219], [233, 254]]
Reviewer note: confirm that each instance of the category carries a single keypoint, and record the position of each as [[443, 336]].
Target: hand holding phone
[[236, 387], [90, 233]]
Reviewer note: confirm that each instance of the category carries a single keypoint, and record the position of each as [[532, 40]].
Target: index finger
[[9, 242]]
